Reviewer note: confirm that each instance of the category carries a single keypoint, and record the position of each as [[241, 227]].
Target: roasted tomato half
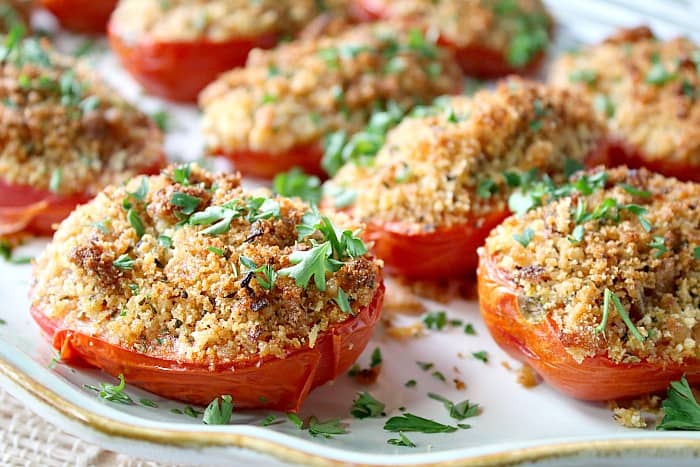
[[271, 383], [263, 165], [87, 16], [596, 378], [621, 153], [180, 70], [446, 252]]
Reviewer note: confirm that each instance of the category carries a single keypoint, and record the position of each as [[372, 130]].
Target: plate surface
[[517, 425]]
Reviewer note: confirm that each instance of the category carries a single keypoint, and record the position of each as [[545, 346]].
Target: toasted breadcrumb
[[629, 418], [56, 115], [294, 95], [189, 295], [490, 24], [646, 256], [400, 299], [527, 377], [646, 90], [215, 20], [431, 172]]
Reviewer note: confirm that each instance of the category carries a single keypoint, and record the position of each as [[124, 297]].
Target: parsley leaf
[[481, 355], [112, 393], [376, 358], [366, 406], [124, 262], [219, 411], [314, 262], [524, 238], [341, 299], [681, 410], [409, 422], [326, 428], [402, 440], [297, 183], [459, 411]]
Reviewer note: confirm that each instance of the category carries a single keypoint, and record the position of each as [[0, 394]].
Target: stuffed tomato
[[192, 287], [85, 16], [490, 39], [65, 135], [440, 183], [175, 48], [646, 91], [594, 289], [273, 114]]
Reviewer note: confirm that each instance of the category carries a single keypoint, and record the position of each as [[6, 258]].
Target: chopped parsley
[[265, 274], [6, 254], [366, 406], [148, 403], [610, 296], [408, 422], [583, 75], [469, 329], [658, 75], [604, 105], [216, 251], [425, 366], [486, 188], [402, 440], [56, 180], [681, 409], [135, 221], [411, 383], [165, 241], [297, 183], [525, 237], [458, 411], [438, 375], [187, 203], [219, 411], [658, 244], [481, 355], [341, 299], [124, 262], [696, 252], [271, 420], [375, 358], [112, 393]]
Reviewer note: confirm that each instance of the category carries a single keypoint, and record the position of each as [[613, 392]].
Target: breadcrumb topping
[[448, 168], [294, 95], [177, 290], [62, 128], [645, 89], [516, 28], [637, 238], [216, 20]]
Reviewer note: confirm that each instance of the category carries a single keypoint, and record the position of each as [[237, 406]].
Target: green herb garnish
[[413, 423], [366, 406], [219, 411], [681, 409]]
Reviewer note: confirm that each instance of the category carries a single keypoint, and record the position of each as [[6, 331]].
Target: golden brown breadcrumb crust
[[62, 128], [216, 20], [187, 293], [647, 258], [498, 25], [448, 168], [646, 90], [296, 94]]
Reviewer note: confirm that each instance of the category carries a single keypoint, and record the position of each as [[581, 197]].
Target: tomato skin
[[264, 165], [180, 70], [441, 254], [475, 60], [596, 378], [621, 153], [24, 209], [271, 383], [86, 16]]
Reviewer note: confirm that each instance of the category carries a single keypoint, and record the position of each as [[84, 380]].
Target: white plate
[[517, 425]]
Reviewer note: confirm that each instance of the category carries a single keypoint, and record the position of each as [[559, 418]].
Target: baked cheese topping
[[645, 89], [636, 239], [448, 168], [63, 129], [188, 263], [294, 95]]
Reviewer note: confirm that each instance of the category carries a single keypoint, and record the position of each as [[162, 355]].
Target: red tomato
[[180, 70], [538, 344], [24, 209], [475, 60], [87, 16], [441, 254], [621, 153], [263, 165], [272, 383]]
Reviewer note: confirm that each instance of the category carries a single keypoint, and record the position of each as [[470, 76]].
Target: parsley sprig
[[458, 411], [681, 410], [366, 406], [408, 422], [112, 393], [219, 411]]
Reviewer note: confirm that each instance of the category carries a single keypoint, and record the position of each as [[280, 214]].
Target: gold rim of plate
[[185, 439]]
